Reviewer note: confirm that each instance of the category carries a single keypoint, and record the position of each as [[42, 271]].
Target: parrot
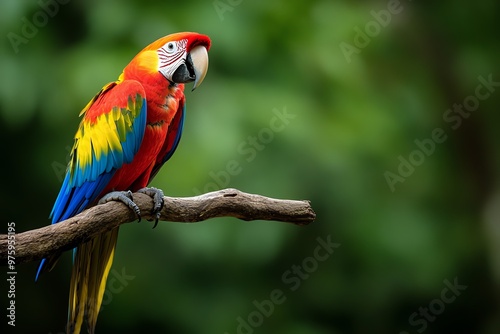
[[127, 132]]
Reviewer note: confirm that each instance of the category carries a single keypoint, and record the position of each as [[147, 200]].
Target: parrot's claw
[[157, 196], [122, 196]]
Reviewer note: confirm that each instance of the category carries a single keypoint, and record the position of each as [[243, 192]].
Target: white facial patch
[[171, 56]]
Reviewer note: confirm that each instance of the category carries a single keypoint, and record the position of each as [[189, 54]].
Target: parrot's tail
[[91, 266]]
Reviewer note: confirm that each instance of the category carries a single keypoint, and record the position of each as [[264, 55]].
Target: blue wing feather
[[172, 140], [177, 136]]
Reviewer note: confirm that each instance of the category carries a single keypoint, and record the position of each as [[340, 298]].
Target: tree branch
[[36, 244]]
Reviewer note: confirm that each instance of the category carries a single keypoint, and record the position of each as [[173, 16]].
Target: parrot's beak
[[199, 59], [194, 67]]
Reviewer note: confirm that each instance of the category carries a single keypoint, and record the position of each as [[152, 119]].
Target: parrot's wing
[[109, 135], [172, 139]]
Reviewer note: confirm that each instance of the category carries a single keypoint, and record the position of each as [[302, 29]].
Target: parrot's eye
[[171, 47]]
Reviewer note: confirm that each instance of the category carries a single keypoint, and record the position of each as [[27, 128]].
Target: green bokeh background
[[351, 121]]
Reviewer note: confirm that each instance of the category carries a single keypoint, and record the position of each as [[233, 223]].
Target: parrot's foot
[[157, 195], [122, 196]]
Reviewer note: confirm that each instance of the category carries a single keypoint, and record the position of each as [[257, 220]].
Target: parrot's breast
[[162, 106]]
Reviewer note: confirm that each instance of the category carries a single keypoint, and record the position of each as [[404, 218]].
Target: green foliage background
[[352, 121]]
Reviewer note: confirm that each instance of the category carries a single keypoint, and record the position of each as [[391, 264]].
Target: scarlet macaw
[[128, 131]]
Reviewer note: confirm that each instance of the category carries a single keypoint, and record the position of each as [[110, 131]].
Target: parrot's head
[[180, 58]]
